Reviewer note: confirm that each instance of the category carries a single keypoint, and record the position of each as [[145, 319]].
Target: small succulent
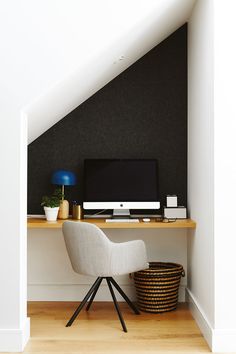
[[53, 200]]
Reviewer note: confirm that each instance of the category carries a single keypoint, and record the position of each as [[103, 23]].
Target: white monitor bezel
[[121, 205]]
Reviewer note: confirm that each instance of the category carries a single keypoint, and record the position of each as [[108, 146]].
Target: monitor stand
[[121, 213]]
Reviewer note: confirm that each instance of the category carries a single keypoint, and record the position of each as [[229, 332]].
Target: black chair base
[[92, 293]]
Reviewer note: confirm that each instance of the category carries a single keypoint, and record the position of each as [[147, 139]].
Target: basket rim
[[163, 266], [161, 270]]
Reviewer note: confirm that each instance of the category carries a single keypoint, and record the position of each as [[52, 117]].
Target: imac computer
[[121, 185]]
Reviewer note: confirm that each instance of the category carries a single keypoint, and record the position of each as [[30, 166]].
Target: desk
[[40, 223], [51, 278]]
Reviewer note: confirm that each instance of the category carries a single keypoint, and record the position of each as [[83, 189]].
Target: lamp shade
[[63, 178]]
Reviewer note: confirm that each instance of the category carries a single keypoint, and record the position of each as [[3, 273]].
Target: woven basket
[[157, 287]]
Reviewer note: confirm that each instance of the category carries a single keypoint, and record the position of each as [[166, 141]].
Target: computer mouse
[[146, 219]]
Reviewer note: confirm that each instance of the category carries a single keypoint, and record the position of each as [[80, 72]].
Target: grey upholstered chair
[[92, 253]]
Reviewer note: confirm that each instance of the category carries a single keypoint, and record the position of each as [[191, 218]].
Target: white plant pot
[[51, 213]]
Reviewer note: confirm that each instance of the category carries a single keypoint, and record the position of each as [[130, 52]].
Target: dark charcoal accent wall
[[140, 114]]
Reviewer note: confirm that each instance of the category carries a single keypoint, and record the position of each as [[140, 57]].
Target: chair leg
[[94, 294], [77, 311], [116, 304], [129, 302]]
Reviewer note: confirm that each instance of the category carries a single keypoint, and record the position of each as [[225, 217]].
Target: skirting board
[[76, 292], [14, 340], [219, 340], [199, 317]]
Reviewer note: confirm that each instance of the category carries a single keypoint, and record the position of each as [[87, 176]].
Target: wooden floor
[[99, 331]]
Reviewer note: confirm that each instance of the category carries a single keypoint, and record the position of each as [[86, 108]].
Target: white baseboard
[[14, 340], [200, 317], [76, 292], [219, 340]]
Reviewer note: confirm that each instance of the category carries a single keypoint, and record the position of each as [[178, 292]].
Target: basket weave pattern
[[157, 287]]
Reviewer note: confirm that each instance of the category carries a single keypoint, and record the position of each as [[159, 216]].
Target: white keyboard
[[122, 220]]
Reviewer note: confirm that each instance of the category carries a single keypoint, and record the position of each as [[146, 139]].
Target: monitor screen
[[125, 180]]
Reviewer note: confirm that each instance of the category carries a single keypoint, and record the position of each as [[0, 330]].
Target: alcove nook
[[142, 113]]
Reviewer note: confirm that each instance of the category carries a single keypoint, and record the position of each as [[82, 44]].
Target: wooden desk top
[[41, 223]]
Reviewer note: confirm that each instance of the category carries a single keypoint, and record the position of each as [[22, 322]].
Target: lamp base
[[63, 210]]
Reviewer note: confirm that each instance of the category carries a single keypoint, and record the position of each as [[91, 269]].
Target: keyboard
[[122, 220]]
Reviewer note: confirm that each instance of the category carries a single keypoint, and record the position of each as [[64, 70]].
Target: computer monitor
[[121, 184]]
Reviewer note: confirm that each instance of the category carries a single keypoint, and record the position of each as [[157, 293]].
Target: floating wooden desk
[[36, 223]]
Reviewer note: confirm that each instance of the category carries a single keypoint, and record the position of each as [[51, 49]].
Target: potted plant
[[51, 205]]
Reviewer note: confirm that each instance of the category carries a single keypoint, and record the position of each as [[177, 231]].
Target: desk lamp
[[63, 178]]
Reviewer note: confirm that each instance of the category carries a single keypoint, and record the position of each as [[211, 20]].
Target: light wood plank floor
[[99, 330]]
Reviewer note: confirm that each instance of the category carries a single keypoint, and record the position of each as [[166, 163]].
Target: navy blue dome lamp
[[63, 178]]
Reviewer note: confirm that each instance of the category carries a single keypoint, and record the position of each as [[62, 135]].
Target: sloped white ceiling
[[57, 53]]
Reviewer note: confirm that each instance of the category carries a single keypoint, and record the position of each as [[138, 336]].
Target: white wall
[[14, 325], [51, 278], [225, 176], [211, 254], [201, 165]]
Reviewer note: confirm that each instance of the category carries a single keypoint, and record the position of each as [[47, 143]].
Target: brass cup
[[77, 212]]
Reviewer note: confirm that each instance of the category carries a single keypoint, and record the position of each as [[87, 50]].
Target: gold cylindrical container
[[77, 212]]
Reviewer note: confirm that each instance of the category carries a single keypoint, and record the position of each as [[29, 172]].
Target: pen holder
[[76, 212]]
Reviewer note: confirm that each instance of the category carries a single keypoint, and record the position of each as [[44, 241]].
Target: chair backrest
[[88, 248]]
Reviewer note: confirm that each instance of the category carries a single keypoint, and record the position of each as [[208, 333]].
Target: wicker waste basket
[[157, 287]]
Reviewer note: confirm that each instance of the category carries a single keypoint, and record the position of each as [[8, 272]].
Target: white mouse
[[146, 219]]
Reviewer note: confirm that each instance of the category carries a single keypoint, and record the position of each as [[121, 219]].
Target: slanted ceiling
[[128, 30]]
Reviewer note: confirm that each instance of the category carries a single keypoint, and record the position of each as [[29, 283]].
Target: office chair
[[92, 253]]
